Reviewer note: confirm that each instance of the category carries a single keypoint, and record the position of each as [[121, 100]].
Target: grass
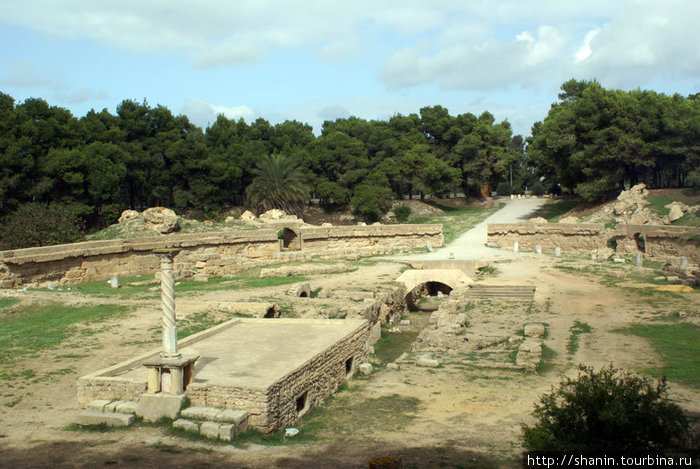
[[144, 287], [575, 330], [456, 221], [37, 327], [689, 219], [392, 345], [555, 208], [678, 346], [657, 204], [8, 302], [547, 361]]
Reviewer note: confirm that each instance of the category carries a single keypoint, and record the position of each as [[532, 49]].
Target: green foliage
[[371, 201], [37, 224], [402, 212], [575, 330], [278, 184], [538, 189], [606, 411], [504, 188], [678, 346], [594, 141]]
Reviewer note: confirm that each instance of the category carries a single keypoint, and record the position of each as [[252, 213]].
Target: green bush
[[39, 225], [538, 189], [606, 411], [402, 212], [504, 188], [371, 201]]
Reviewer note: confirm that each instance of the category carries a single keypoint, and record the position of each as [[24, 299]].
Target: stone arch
[[291, 241], [641, 242], [429, 288]]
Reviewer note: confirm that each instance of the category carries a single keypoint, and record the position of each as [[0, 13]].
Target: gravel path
[[472, 244]]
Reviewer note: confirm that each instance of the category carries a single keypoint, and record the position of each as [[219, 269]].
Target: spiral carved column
[[167, 284]]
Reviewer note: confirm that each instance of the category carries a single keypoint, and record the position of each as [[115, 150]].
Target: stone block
[[232, 416], [126, 407], [375, 333], [114, 419], [365, 368], [152, 407], [195, 413], [427, 362], [210, 429], [112, 406], [186, 425], [227, 431], [98, 405], [534, 330]]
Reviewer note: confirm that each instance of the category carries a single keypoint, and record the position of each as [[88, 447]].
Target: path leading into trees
[[472, 244]]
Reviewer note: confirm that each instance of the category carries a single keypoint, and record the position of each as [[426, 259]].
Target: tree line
[[98, 165], [592, 143]]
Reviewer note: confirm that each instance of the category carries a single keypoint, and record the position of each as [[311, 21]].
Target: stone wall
[[203, 255], [569, 237], [655, 241], [276, 407]]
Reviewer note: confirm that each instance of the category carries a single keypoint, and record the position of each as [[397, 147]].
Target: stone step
[[111, 419], [506, 292], [213, 414], [214, 430], [111, 406]]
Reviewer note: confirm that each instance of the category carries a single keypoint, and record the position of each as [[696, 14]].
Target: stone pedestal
[[170, 376]]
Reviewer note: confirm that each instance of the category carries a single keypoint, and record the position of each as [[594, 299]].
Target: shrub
[[371, 201], [504, 188], [606, 411], [402, 212], [37, 224], [538, 189]]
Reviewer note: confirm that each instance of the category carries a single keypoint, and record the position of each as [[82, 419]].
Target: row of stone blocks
[[212, 422], [110, 413]]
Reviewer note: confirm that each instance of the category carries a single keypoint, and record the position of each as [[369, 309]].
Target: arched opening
[[304, 294], [427, 289], [290, 240], [270, 313], [641, 242]]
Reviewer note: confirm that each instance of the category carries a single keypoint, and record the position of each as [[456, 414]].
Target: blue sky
[[315, 60]]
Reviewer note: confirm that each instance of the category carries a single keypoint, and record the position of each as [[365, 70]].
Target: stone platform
[[275, 369]]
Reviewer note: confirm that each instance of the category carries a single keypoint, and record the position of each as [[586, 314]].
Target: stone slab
[[112, 406], [227, 431], [186, 425], [195, 413], [127, 407], [114, 419], [210, 429], [153, 407], [98, 405], [232, 416]]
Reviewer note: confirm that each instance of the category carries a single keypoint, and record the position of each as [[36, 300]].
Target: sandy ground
[[466, 416]]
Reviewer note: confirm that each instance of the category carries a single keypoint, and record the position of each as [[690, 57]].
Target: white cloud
[[585, 50], [202, 113], [81, 95], [27, 75]]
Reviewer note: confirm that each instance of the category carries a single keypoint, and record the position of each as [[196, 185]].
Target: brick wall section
[[111, 388], [208, 254], [275, 407], [660, 242], [569, 237]]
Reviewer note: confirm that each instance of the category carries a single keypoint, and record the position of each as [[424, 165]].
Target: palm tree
[[278, 183]]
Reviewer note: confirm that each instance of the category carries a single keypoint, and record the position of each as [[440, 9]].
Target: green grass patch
[[392, 345], [547, 361], [37, 327], [689, 219], [456, 221], [657, 204], [8, 302], [555, 208], [678, 346], [575, 330]]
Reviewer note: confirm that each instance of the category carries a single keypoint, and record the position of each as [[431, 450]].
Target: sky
[[317, 60]]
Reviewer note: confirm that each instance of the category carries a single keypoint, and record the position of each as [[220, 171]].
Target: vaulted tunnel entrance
[[426, 289]]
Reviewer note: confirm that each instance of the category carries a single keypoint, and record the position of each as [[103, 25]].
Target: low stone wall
[[655, 241], [568, 237], [659, 242], [203, 255]]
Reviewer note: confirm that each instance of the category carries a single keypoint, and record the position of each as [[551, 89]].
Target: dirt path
[[472, 244]]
